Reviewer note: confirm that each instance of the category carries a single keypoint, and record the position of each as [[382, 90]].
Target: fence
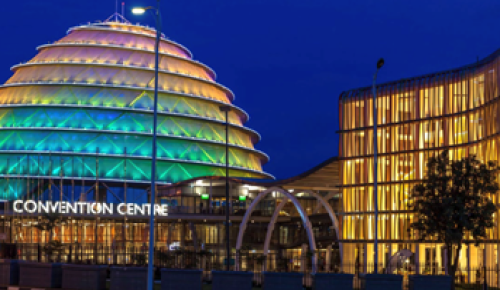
[[465, 279]]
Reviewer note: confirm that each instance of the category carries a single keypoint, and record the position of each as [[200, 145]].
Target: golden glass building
[[417, 118]]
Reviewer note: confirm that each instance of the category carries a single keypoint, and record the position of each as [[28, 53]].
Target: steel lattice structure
[[82, 108]]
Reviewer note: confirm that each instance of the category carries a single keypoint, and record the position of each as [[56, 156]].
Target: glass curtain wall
[[417, 118]]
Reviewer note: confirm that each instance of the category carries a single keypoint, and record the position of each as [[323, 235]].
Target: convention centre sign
[[91, 208]]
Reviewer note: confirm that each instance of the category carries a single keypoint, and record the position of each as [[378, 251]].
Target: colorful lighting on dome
[[82, 109]]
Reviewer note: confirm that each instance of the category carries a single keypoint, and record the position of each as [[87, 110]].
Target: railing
[[475, 278]]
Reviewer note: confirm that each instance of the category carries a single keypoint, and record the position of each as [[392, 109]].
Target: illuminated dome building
[[75, 141], [82, 109]]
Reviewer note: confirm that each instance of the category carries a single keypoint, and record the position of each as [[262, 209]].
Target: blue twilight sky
[[287, 61]]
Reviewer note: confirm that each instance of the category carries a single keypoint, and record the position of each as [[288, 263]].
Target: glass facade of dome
[[82, 108]]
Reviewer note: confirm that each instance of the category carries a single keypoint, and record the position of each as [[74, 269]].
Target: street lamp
[[140, 11], [380, 63], [226, 110]]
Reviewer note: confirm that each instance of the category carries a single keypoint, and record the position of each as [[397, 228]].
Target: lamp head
[[380, 63], [138, 10]]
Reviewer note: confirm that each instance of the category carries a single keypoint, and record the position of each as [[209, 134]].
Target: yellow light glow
[[138, 10]]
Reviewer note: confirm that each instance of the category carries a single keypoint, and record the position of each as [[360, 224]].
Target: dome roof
[[87, 99]]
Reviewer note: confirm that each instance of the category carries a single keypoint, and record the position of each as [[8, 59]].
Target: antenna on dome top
[[117, 17], [116, 10]]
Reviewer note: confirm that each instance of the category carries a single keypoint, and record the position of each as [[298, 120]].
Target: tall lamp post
[[380, 63], [140, 11], [226, 110]]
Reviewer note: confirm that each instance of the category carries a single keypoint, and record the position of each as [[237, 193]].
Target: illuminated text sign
[[93, 208]]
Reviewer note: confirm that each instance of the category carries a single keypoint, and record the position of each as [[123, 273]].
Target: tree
[[53, 248], [453, 201], [48, 223]]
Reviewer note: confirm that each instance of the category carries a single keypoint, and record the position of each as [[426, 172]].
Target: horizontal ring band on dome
[[125, 47], [85, 84], [149, 112], [80, 178], [95, 62], [68, 153], [264, 156], [93, 27], [111, 23], [28, 64]]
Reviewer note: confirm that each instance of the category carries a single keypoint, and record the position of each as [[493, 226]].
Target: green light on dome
[[93, 131]]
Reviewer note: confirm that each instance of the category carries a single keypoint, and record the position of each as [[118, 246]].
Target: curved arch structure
[[323, 202], [82, 109], [300, 209], [327, 198], [272, 223]]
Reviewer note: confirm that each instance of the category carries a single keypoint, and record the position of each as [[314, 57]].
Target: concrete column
[[328, 258]]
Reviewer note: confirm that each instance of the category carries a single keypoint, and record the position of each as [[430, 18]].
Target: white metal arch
[[327, 198], [333, 217], [272, 222], [300, 209], [323, 202]]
